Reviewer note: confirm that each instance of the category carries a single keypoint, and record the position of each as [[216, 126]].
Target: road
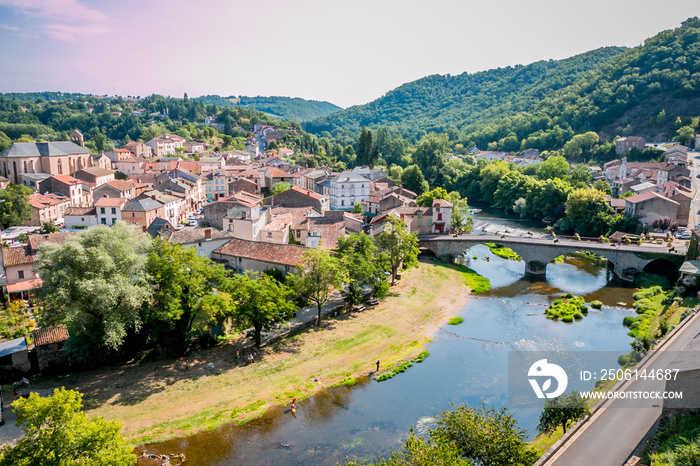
[[615, 430]]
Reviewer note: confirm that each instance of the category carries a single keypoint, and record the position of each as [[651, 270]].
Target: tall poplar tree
[[364, 147]]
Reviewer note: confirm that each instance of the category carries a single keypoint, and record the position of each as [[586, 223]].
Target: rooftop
[[39, 149], [49, 335], [284, 254]]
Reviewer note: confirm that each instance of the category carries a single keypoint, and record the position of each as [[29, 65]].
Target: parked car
[[192, 222], [683, 234]]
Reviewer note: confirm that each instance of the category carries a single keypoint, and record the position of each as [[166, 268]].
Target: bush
[[597, 305], [567, 319], [567, 296], [455, 321], [578, 316], [628, 321]]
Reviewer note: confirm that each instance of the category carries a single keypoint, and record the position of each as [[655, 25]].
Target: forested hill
[[652, 90], [287, 108], [437, 102]]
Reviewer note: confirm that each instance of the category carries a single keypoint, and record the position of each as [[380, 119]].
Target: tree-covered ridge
[[118, 119], [652, 90], [288, 108], [438, 103]]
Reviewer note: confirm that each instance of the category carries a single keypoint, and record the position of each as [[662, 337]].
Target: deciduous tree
[[259, 302], [14, 208], [57, 433], [318, 275], [398, 246], [484, 435], [561, 412], [96, 284], [357, 254]]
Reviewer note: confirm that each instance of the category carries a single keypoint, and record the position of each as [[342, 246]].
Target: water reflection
[[467, 364]]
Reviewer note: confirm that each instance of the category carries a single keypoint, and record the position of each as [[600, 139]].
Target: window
[[20, 274], [114, 210], [114, 220], [439, 217], [133, 214], [102, 210], [103, 221]]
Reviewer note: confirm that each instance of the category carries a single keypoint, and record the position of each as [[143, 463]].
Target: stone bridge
[[626, 260]]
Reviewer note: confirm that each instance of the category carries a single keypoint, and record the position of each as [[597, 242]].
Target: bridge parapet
[[626, 260]]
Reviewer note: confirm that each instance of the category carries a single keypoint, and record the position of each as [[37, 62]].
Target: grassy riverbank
[[166, 399], [503, 252]]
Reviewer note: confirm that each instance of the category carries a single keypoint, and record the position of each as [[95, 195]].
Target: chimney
[[207, 234]]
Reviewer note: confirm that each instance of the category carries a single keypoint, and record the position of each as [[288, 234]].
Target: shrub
[[597, 305], [628, 321], [578, 316], [455, 321], [567, 296], [567, 319]]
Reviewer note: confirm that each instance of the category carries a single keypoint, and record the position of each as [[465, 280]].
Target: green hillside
[[288, 108], [652, 90], [438, 103]]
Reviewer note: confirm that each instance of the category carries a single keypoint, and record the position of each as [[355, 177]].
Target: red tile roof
[[285, 254], [49, 335], [306, 192], [16, 255], [110, 202], [60, 238], [41, 201]]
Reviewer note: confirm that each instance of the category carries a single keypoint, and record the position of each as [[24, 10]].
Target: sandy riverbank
[[164, 399]]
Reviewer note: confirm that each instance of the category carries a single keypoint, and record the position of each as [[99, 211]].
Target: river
[[365, 421]]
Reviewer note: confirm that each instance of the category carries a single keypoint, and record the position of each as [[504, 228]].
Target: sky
[[347, 52]]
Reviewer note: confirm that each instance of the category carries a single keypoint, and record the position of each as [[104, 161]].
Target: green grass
[[567, 309], [647, 280], [401, 367], [455, 321], [477, 283], [503, 252]]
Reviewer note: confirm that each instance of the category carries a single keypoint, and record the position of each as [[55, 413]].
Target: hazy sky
[[343, 51]]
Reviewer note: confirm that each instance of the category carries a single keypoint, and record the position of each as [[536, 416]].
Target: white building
[[347, 189]]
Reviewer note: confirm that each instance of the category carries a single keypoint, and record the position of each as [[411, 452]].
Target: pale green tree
[[319, 274], [95, 283], [57, 433], [399, 248], [357, 254]]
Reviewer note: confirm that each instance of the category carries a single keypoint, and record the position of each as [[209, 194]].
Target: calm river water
[[367, 420]]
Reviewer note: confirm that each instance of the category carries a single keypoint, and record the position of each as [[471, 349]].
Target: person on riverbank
[[250, 358], [377, 367]]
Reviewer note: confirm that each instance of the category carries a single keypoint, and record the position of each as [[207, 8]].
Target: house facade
[[347, 189]]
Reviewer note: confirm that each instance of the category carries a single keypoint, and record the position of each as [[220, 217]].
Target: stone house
[[78, 191], [298, 197], [649, 206], [255, 256], [116, 189], [48, 346], [47, 208], [245, 220], [96, 176], [141, 211], [624, 145], [139, 149]]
